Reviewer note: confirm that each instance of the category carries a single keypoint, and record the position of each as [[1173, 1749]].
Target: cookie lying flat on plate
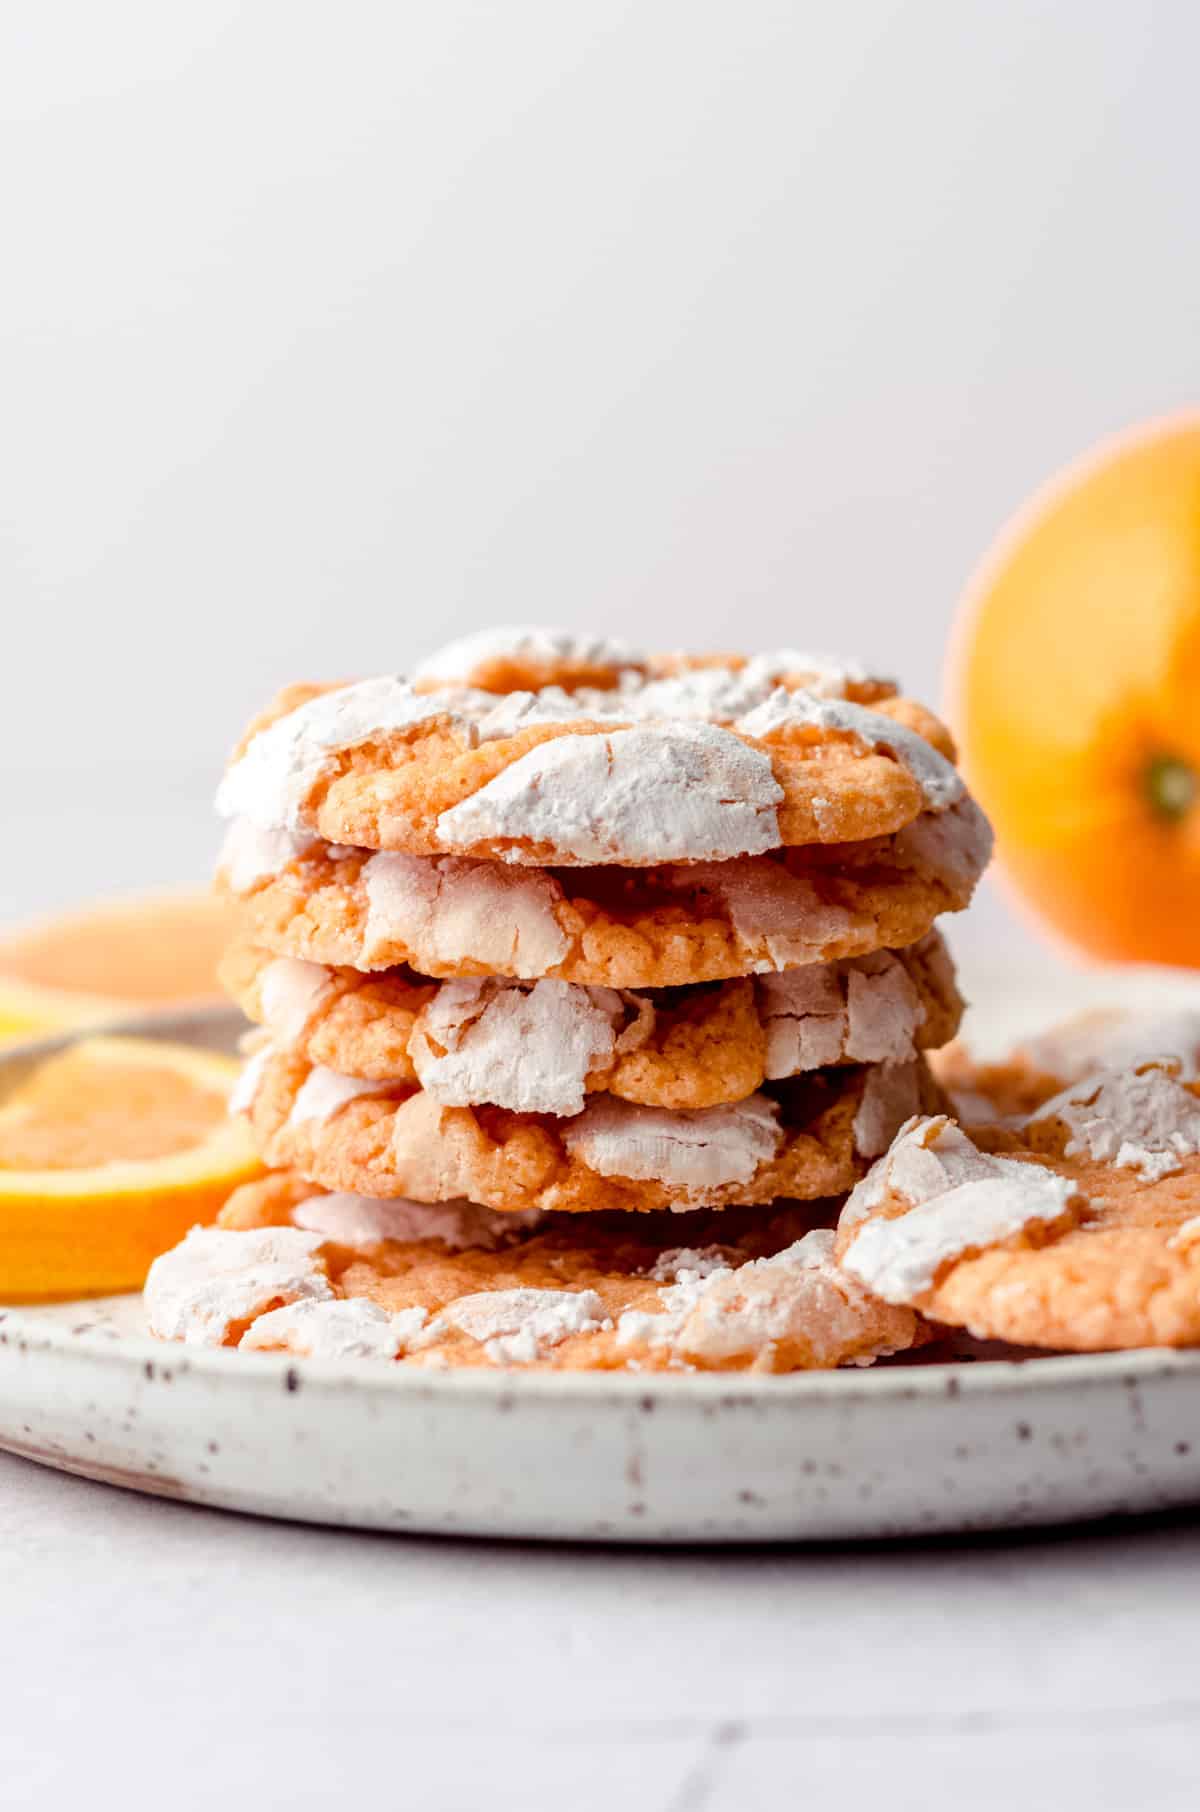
[[343, 1277], [542, 1047], [644, 777], [809, 1137], [1038, 1067], [647, 928], [1081, 1231]]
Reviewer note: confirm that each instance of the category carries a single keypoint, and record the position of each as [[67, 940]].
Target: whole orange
[[1074, 687]]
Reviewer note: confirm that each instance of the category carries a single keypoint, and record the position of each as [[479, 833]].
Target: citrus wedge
[[1073, 683], [109, 1152], [111, 959]]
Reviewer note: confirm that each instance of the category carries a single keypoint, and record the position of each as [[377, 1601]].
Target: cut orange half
[[110, 960], [1074, 688], [109, 1152]]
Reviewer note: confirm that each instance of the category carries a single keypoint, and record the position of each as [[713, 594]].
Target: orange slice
[[1073, 687], [111, 959], [109, 1152]]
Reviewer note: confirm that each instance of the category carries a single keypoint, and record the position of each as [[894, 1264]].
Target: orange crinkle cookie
[[703, 766], [543, 1046], [619, 928], [812, 1136], [294, 1270], [1076, 1226]]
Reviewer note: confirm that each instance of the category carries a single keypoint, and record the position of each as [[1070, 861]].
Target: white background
[[327, 331]]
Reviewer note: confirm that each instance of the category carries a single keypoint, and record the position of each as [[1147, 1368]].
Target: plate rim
[[1029, 1376]]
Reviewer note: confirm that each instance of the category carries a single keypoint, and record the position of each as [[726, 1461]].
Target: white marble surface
[[156, 1655]]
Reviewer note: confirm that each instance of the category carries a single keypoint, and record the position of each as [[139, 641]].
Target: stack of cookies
[[590, 984]]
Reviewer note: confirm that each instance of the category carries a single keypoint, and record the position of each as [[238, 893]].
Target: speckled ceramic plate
[[897, 1450]]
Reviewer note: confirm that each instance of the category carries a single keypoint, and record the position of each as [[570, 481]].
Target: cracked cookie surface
[[533, 657], [297, 1271], [808, 1137], [544, 1046], [619, 928], [683, 769], [1075, 1226]]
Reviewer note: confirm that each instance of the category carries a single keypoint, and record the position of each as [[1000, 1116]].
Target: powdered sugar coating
[[250, 855], [292, 990], [271, 781], [469, 660], [676, 792], [891, 1096], [1142, 1119], [464, 911], [515, 1325], [363, 1220], [929, 1155], [683, 1262], [865, 1009], [799, 1302], [682, 923], [955, 844], [324, 1093], [713, 695], [241, 1096], [774, 909], [462, 661], [526, 1048], [696, 1150], [939, 780], [348, 1328], [963, 1201], [826, 675], [1117, 1041], [202, 1290], [676, 1300]]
